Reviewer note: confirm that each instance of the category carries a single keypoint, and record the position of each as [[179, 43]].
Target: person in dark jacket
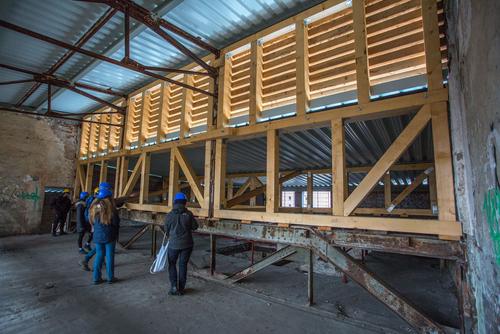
[[61, 206], [82, 225], [106, 222], [179, 225]]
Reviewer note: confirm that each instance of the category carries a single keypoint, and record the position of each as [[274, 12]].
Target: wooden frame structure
[[326, 50]]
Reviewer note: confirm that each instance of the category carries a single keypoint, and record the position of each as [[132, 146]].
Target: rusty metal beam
[[277, 256], [13, 82], [148, 18], [85, 37], [130, 65], [174, 70]]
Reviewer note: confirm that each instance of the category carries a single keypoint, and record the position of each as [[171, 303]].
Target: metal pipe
[[85, 37], [108, 91], [127, 34], [15, 82], [129, 66]]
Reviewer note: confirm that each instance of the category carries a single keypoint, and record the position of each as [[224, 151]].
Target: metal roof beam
[[132, 66], [85, 37]]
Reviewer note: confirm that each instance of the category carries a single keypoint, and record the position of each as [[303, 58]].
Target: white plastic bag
[[158, 264]]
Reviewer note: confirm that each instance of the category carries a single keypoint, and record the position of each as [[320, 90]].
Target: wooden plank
[[103, 171], [272, 176], [189, 173], [230, 188], [224, 99], [80, 177], [338, 166], [403, 225], [432, 192], [123, 176], [409, 189], [443, 162], [134, 177], [163, 112], [198, 212], [145, 171], [243, 188], [432, 44], [89, 177], [310, 190], [187, 106], [393, 153], [212, 106], [173, 178], [256, 82], [141, 119], [362, 71], [116, 192], [302, 68], [220, 174], [207, 174], [387, 189]]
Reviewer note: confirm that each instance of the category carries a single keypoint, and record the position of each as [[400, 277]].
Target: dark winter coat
[[179, 225], [81, 223], [104, 234], [88, 203], [61, 205]]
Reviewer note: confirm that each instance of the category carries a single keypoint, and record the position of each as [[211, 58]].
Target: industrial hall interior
[[250, 166]]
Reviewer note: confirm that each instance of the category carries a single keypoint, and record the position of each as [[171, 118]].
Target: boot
[[173, 291], [84, 264]]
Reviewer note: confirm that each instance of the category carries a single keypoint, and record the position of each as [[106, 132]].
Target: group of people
[[97, 216]]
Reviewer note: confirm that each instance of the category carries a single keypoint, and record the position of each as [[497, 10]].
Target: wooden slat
[[393, 153]]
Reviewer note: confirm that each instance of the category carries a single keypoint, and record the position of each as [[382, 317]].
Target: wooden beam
[[212, 105], [387, 189], [310, 190], [392, 154], [403, 225], [189, 173], [362, 72], [338, 167], [243, 188], [145, 115], [134, 177], [89, 177], [80, 177], [432, 192], [273, 165], [123, 174], [224, 103], [173, 178], [230, 188], [145, 171], [432, 44], [443, 162], [116, 192], [207, 175], [162, 111], [409, 189], [220, 174], [103, 171], [302, 67], [187, 106], [140, 138], [255, 108]]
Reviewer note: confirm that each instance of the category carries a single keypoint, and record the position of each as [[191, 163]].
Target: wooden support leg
[[310, 278], [153, 241]]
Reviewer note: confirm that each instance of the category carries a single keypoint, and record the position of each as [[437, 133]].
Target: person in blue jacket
[[104, 218]]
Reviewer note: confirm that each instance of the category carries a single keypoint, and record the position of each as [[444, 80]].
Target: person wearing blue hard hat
[[104, 218], [82, 225], [179, 225], [105, 185]]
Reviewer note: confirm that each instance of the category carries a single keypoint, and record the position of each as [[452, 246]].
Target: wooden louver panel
[[199, 109], [133, 119], [84, 141], [151, 113], [115, 132], [104, 132], [279, 71], [332, 63], [172, 106], [240, 84], [94, 134]]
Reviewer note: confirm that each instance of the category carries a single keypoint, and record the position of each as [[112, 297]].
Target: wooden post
[[103, 172], [432, 44], [229, 188], [116, 192], [145, 170], [187, 106], [89, 177], [362, 72], [224, 104], [387, 190], [141, 119], [123, 174], [207, 175], [78, 184], [273, 165], [220, 174], [338, 167], [212, 107], [173, 178], [255, 108], [310, 186], [162, 112], [302, 66], [253, 185], [432, 192]]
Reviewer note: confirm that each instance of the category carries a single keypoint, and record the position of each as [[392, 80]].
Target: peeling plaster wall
[[474, 42], [35, 153]]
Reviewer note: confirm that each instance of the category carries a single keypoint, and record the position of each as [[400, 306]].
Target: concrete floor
[[43, 290]]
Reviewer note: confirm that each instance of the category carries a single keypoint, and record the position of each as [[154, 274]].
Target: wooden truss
[[293, 63]]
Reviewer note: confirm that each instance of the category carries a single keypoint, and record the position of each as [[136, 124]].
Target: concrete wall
[[35, 153], [474, 42]]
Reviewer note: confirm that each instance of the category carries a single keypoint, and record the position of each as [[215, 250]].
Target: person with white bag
[[179, 225]]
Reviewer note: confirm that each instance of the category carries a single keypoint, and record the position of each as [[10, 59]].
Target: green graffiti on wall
[[33, 196], [492, 210]]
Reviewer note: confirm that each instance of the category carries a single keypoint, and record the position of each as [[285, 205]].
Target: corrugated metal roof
[[219, 22]]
